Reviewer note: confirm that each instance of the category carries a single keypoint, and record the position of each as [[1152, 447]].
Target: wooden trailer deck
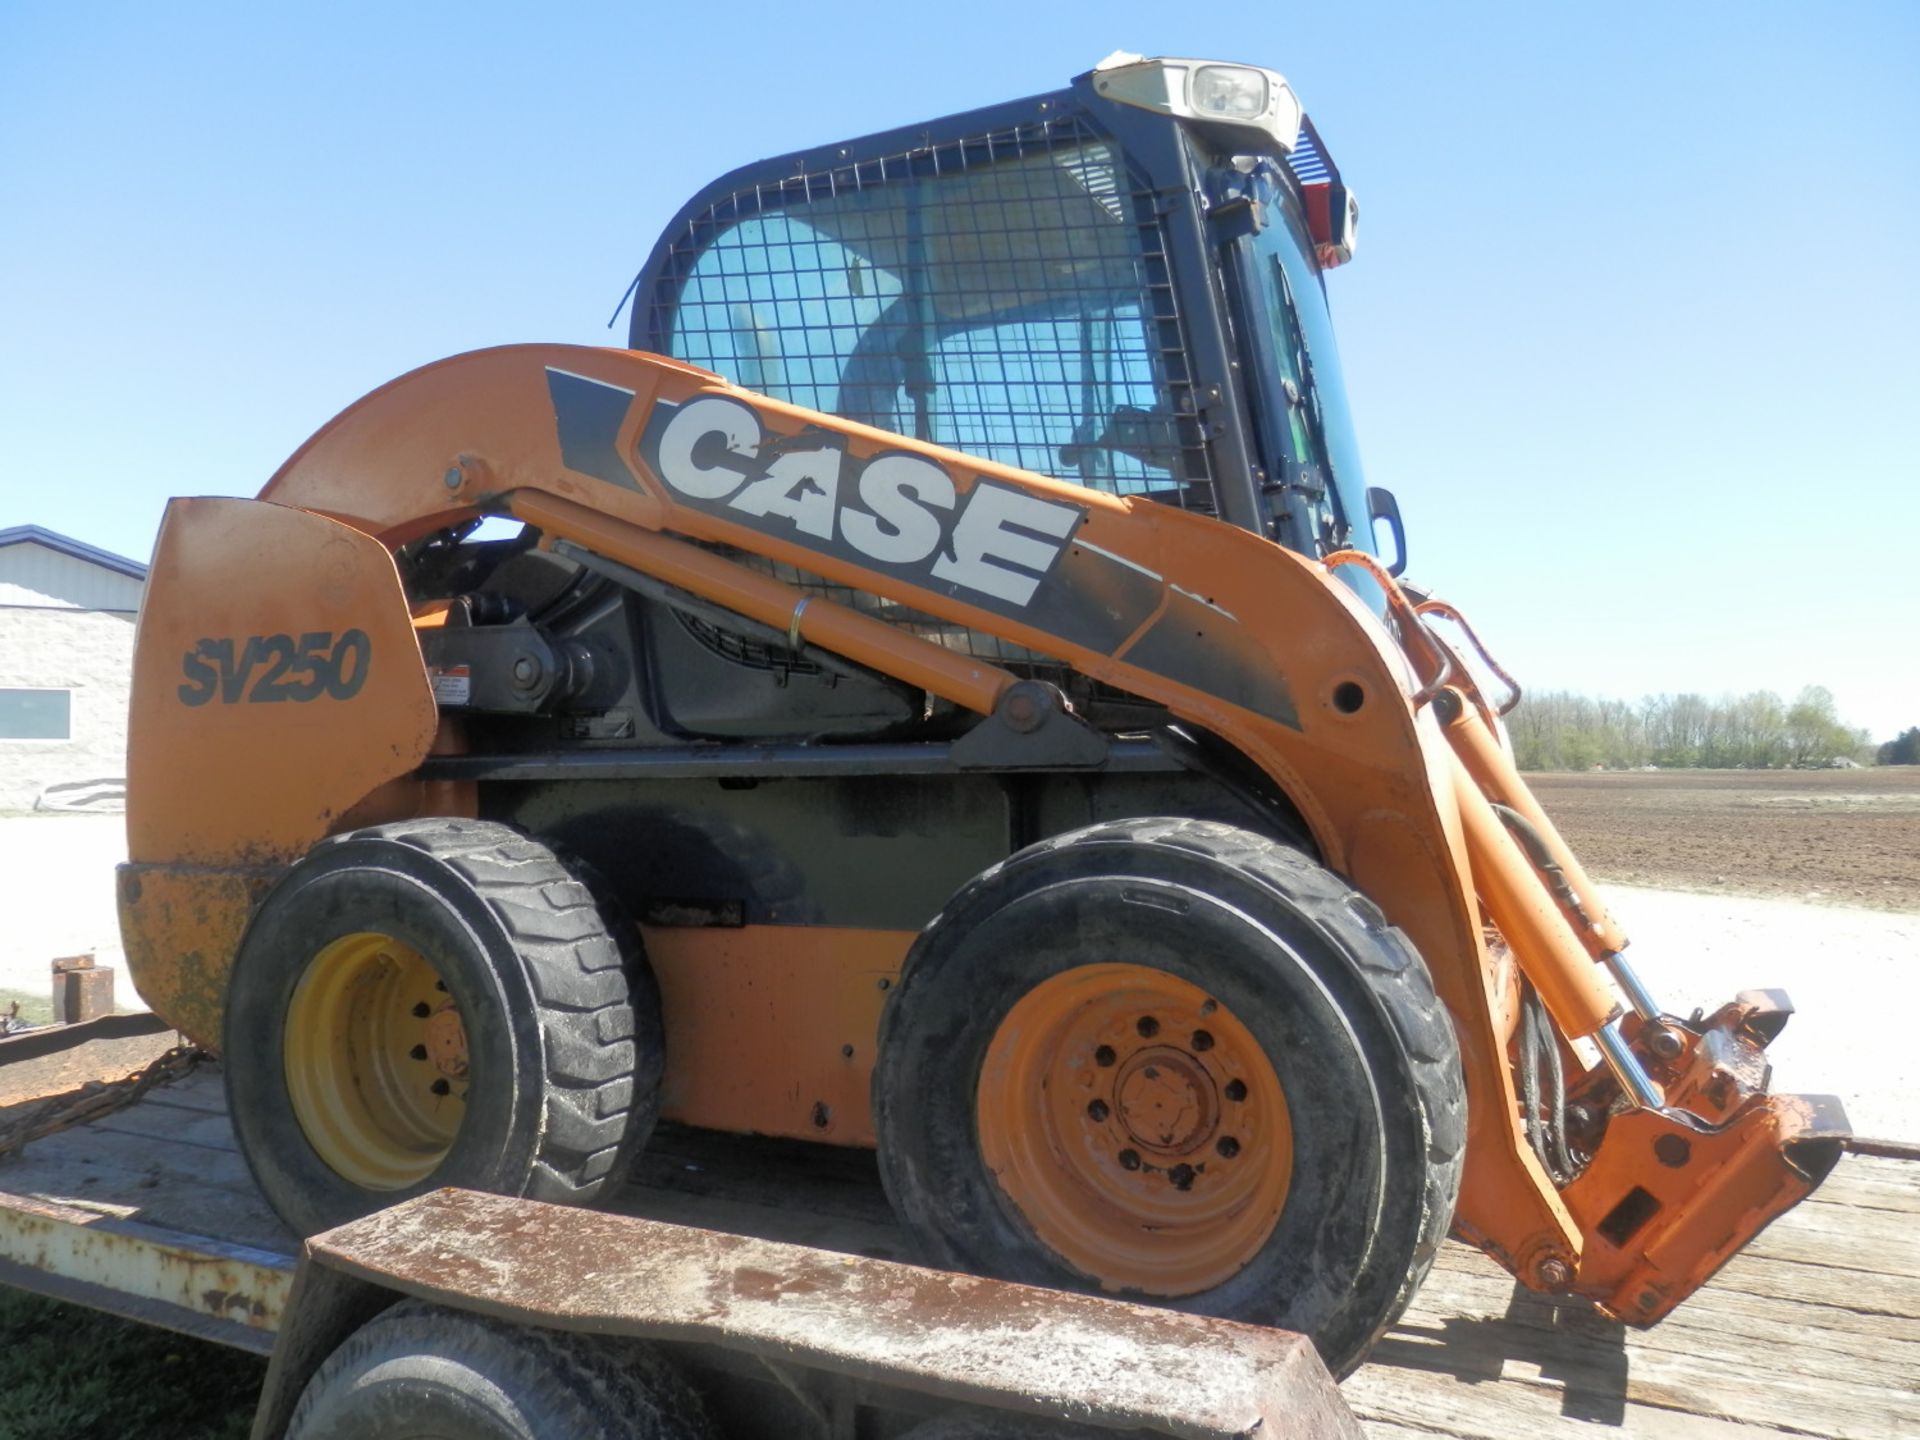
[[1815, 1331]]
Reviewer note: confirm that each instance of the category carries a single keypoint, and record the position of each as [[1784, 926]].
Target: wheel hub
[[1166, 1101], [447, 1041], [1137, 1127], [376, 1061]]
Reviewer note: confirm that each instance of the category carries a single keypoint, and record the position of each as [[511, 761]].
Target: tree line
[[1903, 749], [1558, 730]]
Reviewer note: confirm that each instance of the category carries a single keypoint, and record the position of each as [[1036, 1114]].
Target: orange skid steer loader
[[937, 691]]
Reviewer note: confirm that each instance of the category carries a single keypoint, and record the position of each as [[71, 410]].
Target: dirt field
[[1844, 837]]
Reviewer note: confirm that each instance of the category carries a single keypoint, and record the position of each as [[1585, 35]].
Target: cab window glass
[[1015, 307]]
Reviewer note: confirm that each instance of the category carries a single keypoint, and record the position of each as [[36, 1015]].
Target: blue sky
[[1632, 330]]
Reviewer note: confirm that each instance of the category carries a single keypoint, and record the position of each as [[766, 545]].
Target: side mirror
[[1382, 506]]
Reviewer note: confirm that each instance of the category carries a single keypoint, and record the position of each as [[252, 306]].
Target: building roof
[[79, 550]]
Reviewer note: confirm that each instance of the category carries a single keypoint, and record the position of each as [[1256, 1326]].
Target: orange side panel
[[276, 685], [770, 1028], [182, 925]]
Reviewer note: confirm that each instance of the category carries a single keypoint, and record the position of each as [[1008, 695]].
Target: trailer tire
[[1287, 1153], [348, 1088], [420, 1369]]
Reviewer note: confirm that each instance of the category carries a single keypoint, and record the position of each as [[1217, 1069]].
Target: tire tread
[[1384, 967], [612, 1388], [579, 974], [1394, 972]]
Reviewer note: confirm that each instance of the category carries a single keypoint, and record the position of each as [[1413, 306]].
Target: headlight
[[1229, 91], [1247, 100]]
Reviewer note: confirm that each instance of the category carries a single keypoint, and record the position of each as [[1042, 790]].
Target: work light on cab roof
[[1244, 106]]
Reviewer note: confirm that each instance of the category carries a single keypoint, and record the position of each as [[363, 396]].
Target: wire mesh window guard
[[1008, 295]]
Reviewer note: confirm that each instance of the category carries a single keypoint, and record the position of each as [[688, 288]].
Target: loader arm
[[1376, 736]]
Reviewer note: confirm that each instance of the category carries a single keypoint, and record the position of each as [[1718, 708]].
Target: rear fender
[[276, 684]]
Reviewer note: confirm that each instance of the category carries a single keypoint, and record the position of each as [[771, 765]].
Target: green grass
[[68, 1373], [35, 1008]]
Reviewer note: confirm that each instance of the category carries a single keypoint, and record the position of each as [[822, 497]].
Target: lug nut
[[1203, 1040], [1129, 1159], [422, 1010], [1148, 1027], [441, 1087], [1181, 1177], [1097, 1110], [1104, 1055], [1227, 1147], [419, 1052], [1236, 1090]]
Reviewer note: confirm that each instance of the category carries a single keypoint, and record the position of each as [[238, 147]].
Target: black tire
[[1339, 1002], [561, 1014], [421, 1370]]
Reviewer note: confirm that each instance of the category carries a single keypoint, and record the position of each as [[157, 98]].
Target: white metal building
[[66, 664]]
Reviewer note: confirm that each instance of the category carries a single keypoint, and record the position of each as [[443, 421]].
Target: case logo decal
[[895, 511]]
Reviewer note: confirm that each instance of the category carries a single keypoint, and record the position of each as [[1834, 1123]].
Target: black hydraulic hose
[[1546, 1122], [1535, 844], [1556, 1123], [1530, 1081]]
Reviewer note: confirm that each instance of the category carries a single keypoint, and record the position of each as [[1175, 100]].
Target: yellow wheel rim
[[376, 1061], [1138, 1127]]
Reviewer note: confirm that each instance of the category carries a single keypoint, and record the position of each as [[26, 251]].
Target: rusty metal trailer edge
[[837, 1332]]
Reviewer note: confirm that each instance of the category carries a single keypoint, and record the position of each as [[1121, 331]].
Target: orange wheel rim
[[1138, 1128]]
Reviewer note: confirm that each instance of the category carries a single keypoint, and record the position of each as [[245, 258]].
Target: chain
[[95, 1099]]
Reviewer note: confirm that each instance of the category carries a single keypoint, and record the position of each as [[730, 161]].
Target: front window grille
[[1008, 295]]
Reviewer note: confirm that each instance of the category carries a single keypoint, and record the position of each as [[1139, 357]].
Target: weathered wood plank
[[1837, 1339], [1529, 1408], [1791, 1337], [1849, 1240], [1856, 1302], [1595, 1379], [1814, 1332], [1872, 1181], [1819, 1285], [1756, 1380], [1877, 1196], [163, 1160], [203, 1130], [203, 1090]]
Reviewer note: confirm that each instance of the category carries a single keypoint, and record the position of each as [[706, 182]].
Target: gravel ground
[[1849, 971], [1848, 968]]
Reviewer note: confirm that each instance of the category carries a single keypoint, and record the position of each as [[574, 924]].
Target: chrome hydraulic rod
[[1636, 992], [1627, 1068]]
